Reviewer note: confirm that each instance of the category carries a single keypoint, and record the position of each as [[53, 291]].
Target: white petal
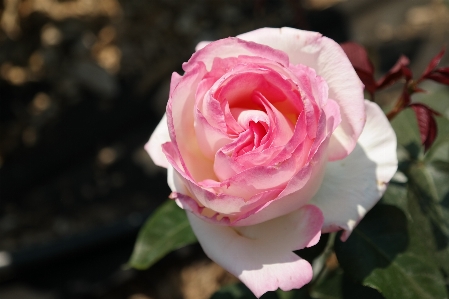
[[352, 186], [202, 45], [176, 185], [154, 145], [261, 255], [175, 182]]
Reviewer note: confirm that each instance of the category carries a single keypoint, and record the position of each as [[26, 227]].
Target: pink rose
[[268, 142]]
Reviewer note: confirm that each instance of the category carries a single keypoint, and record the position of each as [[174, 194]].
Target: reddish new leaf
[[433, 63], [426, 123], [440, 75], [358, 57], [399, 70], [443, 70], [407, 73], [360, 61]]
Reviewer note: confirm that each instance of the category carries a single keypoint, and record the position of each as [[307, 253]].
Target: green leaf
[[428, 181], [353, 290], [330, 287], [294, 294], [396, 195], [429, 189], [234, 291], [338, 285], [165, 230], [425, 242], [430, 194], [240, 291], [390, 254]]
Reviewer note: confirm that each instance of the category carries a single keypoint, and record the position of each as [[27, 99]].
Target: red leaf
[[443, 70], [439, 75], [398, 71], [360, 61], [407, 73], [426, 123], [433, 63], [358, 57]]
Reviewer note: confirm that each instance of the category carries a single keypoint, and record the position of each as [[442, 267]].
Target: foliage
[[166, 230], [424, 114]]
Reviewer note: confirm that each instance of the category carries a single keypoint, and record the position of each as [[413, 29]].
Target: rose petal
[[154, 145], [175, 182], [267, 205], [233, 47], [260, 178], [261, 256], [180, 119], [299, 190], [333, 117], [236, 208], [353, 185], [210, 139], [175, 79], [328, 59]]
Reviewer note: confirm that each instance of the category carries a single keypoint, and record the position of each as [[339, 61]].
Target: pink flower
[[268, 142]]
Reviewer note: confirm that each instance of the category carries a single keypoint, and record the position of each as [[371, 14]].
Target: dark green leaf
[[430, 194], [330, 287], [293, 294], [375, 242], [423, 243], [396, 195], [240, 291], [429, 189], [338, 285], [353, 290], [429, 186], [381, 254], [234, 291], [165, 230]]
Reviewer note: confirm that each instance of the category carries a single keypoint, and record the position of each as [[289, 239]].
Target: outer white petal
[[202, 45], [352, 186], [261, 255], [176, 184], [154, 145]]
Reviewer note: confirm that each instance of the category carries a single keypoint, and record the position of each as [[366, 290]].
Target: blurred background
[[83, 83]]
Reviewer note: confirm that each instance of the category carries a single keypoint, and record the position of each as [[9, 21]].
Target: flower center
[[257, 131]]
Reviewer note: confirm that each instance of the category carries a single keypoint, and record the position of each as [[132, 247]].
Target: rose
[[264, 148]]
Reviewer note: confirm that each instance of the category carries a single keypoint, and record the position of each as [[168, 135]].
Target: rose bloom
[[268, 143]]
